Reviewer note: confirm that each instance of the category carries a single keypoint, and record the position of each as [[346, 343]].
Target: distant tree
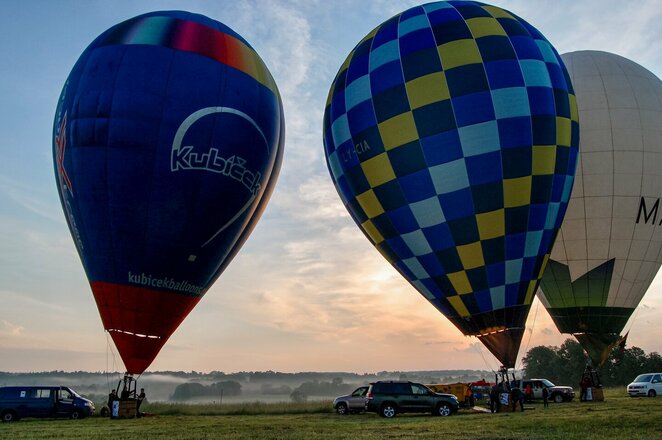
[[654, 361], [573, 361], [187, 391], [193, 390], [298, 396], [322, 388], [623, 366], [542, 362], [270, 389], [228, 387], [564, 365]]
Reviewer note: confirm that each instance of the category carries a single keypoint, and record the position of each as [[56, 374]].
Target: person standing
[[583, 385], [140, 399], [528, 392], [111, 398], [494, 398], [516, 396], [545, 397], [468, 397]]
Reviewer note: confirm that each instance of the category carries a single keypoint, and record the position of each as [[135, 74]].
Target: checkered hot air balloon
[[451, 135]]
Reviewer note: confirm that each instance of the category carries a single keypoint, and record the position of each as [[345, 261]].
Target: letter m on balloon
[[647, 215]]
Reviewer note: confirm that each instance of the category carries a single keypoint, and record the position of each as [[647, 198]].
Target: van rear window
[[40, 393], [11, 393]]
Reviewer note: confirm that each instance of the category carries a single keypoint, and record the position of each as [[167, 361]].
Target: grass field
[[619, 417]]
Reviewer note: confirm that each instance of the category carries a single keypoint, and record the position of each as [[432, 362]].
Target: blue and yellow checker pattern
[[451, 134]]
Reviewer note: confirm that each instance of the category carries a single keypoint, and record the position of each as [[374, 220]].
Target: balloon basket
[[591, 380], [595, 394], [126, 407]]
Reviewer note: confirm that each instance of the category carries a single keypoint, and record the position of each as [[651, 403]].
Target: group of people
[[517, 396], [126, 395]]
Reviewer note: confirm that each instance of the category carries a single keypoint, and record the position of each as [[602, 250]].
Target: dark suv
[[387, 398]]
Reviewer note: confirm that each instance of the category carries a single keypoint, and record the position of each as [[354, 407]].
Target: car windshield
[[547, 383], [644, 378], [75, 394]]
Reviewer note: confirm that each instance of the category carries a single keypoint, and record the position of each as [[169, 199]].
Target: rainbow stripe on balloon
[[190, 36]]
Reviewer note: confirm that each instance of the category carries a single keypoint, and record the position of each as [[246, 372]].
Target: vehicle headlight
[[89, 404]]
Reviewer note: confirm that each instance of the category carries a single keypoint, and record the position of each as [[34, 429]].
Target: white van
[[648, 384]]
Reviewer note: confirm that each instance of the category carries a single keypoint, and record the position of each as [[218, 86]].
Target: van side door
[[64, 405], [38, 402], [656, 384]]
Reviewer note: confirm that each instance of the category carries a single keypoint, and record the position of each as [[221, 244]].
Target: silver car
[[350, 403]]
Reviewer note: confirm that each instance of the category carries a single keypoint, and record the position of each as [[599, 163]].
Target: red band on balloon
[[140, 320]]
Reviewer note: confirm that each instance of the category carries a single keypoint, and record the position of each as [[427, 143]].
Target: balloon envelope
[[450, 133], [608, 250], [168, 140]]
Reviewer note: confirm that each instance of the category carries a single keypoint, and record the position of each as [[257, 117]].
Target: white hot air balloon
[[608, 250]]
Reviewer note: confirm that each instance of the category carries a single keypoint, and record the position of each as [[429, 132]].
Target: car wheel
[[342, 409], [443, 410], [76, 415], [558, 398], [652, 393], [388, 410], [9, 416]]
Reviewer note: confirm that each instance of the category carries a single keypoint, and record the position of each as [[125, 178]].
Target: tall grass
[[237, 409]]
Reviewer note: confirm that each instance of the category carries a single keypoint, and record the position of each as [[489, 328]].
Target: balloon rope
[[107, 372], [535, 316], [480, 351], [109, 348]]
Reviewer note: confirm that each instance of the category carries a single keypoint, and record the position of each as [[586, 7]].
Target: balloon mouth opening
[[138, 335], [504, 344], [492, 331]]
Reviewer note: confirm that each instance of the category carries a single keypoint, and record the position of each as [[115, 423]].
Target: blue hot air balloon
[[451, 135], [168, 139]]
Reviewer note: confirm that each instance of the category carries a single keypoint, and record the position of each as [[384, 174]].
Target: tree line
[[565, 364], [217, 390]]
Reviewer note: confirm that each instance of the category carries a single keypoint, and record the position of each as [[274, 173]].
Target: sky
[[307, 292]]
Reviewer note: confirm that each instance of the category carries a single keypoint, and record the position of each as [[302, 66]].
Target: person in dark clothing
[[140, 399], [516, 395], [528, 393], [494, 399], [545, 397], [583, 385], [112, 396]]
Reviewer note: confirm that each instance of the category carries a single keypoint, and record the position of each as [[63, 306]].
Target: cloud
[[33, 199], [628, 29], [313, 292], [24, 301], [9, 329]]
